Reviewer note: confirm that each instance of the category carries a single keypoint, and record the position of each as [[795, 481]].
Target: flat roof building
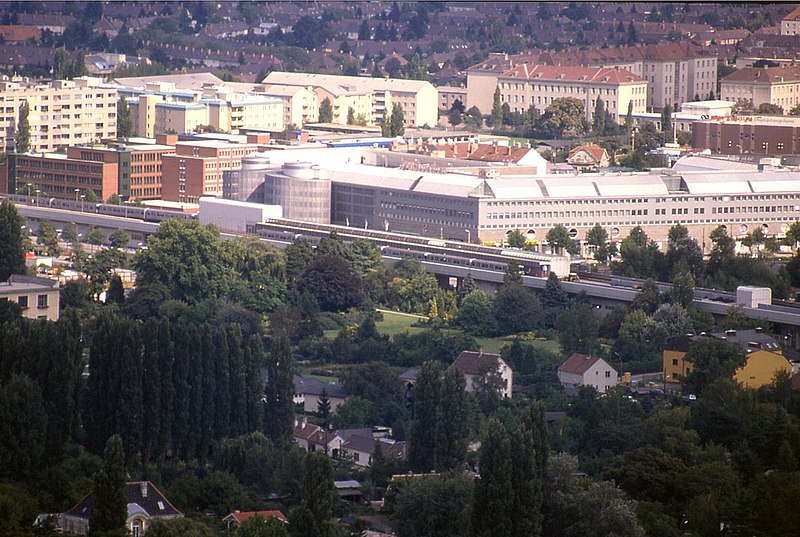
[[196, 168], [62, 113], [38, 298], [371, 97]]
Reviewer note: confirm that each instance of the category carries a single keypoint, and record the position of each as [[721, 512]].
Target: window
[[674, 361], [22, 300], [41, 301], [608, 374]]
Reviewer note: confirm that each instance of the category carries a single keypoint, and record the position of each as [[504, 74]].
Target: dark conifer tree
[[422, 443], [166, 361], [238, 380], [451, 422], [279, 392], [110, 508], [182, 364], [222, 394], [209, 355], [254, 361], [493, 496], [129, 400], [151, 389], [12, 252], [313, 517]]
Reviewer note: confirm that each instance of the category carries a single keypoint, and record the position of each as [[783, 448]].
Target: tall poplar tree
[[254, 361], [151, 389], [22, 136], [124, 122], [182, 363], [451, 422], [110, 509], [529, 454], [496, 117], [279, 392], [325, 111], [12, 252], [422, 441], [313, 517], [599, 118], [222, 393], [493, 494], [238, 386]]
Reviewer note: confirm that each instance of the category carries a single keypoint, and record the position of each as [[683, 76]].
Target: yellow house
[[764, 357]]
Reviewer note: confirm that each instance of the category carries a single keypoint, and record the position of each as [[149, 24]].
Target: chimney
[[304, 422], [730, 332], [143, 488], [758, 329]]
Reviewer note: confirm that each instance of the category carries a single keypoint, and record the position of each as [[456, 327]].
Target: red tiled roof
[[766, 75], [476, 363], [578, 363], [571, 73], [15, 33], [793, 16], [241, 516], [593, 149]]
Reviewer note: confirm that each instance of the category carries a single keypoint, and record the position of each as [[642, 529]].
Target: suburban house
[[351, 445], [584, 370], [359, 445], [308, 391], [145, 503], [764, 357], [477, 367], [588, 157], [235, 519], [312, 438]]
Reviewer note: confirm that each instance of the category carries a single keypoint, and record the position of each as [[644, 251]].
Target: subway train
[[124, 211]]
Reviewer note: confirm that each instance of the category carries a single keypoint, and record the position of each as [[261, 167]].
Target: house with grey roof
[[145, 504], [308, 391]]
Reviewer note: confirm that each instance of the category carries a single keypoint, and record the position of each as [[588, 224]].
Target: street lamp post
[[469, 236], [77, 191], [83, 197]]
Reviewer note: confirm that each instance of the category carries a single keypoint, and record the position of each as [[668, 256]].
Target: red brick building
[[59, 176], [748, 135], [197, 167]]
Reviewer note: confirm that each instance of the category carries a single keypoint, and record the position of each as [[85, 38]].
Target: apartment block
[[675, 72], [62, 113], [539, 85], [300, 104], [196, 168], [758, 85], [159, 107], [371, 97], [37, 298]]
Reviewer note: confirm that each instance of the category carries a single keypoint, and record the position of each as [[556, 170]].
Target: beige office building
[[758, 85], [372, 97], [62, 113], [539, 85]]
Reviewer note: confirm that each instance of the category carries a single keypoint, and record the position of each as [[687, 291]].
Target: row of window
[[717, 221]]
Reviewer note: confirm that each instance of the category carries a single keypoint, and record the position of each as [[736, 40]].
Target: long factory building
[[700, 193]]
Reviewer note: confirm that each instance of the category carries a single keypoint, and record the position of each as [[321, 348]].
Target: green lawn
[[397, 323]]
